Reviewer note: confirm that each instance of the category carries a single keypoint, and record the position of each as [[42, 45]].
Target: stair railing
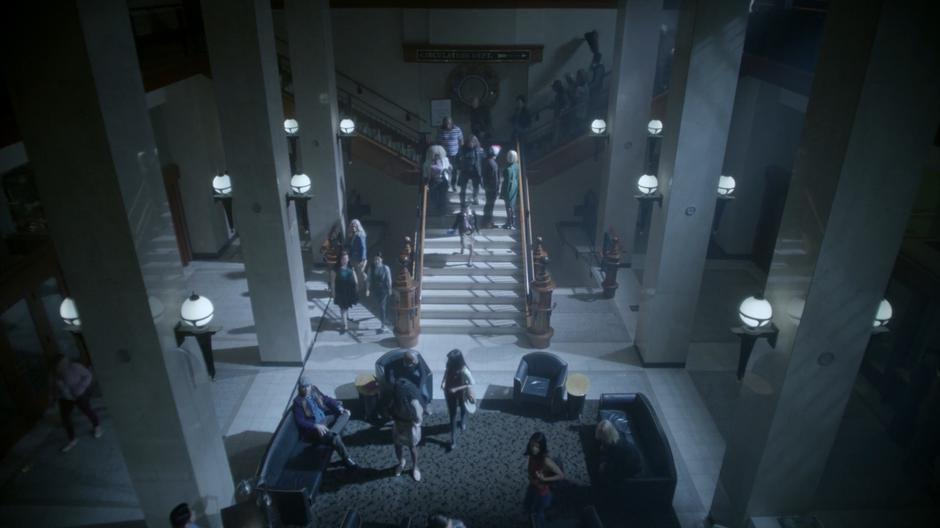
[[417, 261], [524, 221]]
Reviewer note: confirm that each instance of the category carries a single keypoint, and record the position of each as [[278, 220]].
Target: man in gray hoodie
[[73, 384]]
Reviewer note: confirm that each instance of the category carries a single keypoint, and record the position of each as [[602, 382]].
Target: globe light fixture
[[884, 313], [196, 311], [222, 185], [300, 183], [69, 312], [725, 185], [598, 127], [647, 184], [347, 126], [655, 127], [291, 126], [755, 312]]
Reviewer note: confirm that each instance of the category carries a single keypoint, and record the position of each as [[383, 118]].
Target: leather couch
[[654, 485], [540, 379], [291, 472]]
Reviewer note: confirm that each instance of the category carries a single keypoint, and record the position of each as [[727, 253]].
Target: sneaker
[[98, 432], [416, 473], [399, 468], [68, 447], [350, 463]]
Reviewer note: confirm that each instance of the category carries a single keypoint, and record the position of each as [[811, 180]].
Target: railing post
[[539, 328], [611, 265], [407, 305]]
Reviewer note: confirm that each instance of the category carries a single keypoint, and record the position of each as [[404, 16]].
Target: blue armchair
[[540, 379]]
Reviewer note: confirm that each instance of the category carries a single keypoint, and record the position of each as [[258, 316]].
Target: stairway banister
[[380, 96], [523, 221]]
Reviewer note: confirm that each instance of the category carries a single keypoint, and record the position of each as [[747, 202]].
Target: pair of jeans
[[535, 505], [453, 404], [381, 298], [336, 423], [83, 403], [488, 207]]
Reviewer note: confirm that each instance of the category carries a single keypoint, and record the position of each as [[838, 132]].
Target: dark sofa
[[292, 470], [653, 487]]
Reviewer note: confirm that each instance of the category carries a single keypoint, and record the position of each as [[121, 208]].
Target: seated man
[[320, 419], [619, 458], [410, 369]]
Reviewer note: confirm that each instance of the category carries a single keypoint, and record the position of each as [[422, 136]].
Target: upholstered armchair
[[540, 379]]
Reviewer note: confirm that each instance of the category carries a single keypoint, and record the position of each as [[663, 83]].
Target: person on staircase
[[466, 225], [380, 286], [509, 188], [73, 389], [345, 289], [490, 179], [471, 167], [451, 138], [457, 386], [356, 247], [437, 174]]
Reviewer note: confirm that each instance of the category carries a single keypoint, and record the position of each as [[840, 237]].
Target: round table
[[368, 390], [577, 386]]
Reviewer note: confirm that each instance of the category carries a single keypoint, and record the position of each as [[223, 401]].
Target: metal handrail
[[525, 234], [408, 113], [419, 241]]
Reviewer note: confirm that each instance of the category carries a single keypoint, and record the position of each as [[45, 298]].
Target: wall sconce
[[195, 314], [222, 192], [300, 188], [69, 313], [648, 185], [725, 194], [598, 127], [599, 133], [756, 313], [655, 127], [882, 317], [291, 126]]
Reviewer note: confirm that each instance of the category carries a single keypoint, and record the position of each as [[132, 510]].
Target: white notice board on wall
[[440, 108]]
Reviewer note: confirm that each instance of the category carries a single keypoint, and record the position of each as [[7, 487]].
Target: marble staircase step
[[459, 267], [470, 282], [471, 311], [472, 327], [472, 296]]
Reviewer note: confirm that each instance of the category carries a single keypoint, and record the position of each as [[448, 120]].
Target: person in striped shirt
[[451, 138]]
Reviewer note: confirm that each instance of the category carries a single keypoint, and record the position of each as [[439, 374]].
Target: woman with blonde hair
[[509, 188], [619, 458], [356, 247]]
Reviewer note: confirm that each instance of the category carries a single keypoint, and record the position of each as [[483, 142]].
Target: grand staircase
[[487, 298]]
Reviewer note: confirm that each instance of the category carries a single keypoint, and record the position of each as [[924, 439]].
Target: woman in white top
[[457, 386]]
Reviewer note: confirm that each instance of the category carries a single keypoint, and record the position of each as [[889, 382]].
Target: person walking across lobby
[[379, 286], [542, 471], [345, 289], [406, 430], [356, 246], [457, 385]]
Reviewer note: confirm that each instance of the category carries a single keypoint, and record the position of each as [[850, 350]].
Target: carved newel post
[[407, 322], [611, 265], [539, 328]]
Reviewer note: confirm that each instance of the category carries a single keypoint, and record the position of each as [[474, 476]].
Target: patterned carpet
[[482, 482]]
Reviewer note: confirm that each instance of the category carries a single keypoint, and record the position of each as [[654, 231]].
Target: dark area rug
[[482, 482]]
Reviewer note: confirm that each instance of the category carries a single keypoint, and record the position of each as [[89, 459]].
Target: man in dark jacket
[[321, 419], [490, 186]]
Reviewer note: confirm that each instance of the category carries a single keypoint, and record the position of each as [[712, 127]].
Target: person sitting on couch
[[320, 419], [619, 457]]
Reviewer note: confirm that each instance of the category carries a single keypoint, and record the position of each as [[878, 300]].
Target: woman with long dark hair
[[542, 470], [406, 410], [457, 385], [345, 288]]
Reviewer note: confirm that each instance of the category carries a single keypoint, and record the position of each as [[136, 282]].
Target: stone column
[[631, 90], [710, 40], [314, 79], [240, 36], [79, 102], [853, 187]]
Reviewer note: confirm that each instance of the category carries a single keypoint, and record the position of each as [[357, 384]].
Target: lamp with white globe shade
[[655, 127], [598, 127], [884, 313], [291, 126], [300, 183], [755, 312], [196, 311], [222, 184], [347, 126], [69, 312], [725, 185], [647, 184]]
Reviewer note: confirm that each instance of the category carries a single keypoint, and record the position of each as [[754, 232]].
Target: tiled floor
[[250, 398]]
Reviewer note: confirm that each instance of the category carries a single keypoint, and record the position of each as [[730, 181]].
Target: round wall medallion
[[474, 81], [689, 211], [825, 359]]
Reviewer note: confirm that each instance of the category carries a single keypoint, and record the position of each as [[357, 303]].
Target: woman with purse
[[458, 392]]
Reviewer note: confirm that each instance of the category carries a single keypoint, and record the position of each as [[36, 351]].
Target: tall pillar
[[313, 73], [631, 90], [79, 102], [853, 187], [709, 42], [240, 36]]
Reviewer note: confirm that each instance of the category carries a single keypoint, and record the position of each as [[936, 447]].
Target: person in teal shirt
[[509, 190]]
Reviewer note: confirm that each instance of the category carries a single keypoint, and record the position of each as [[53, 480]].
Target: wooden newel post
[[539, 327], [407, 305], [611, 265]]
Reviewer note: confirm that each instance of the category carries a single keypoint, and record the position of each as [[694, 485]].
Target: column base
[[540, 340], [610, 290], [407, 340]]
